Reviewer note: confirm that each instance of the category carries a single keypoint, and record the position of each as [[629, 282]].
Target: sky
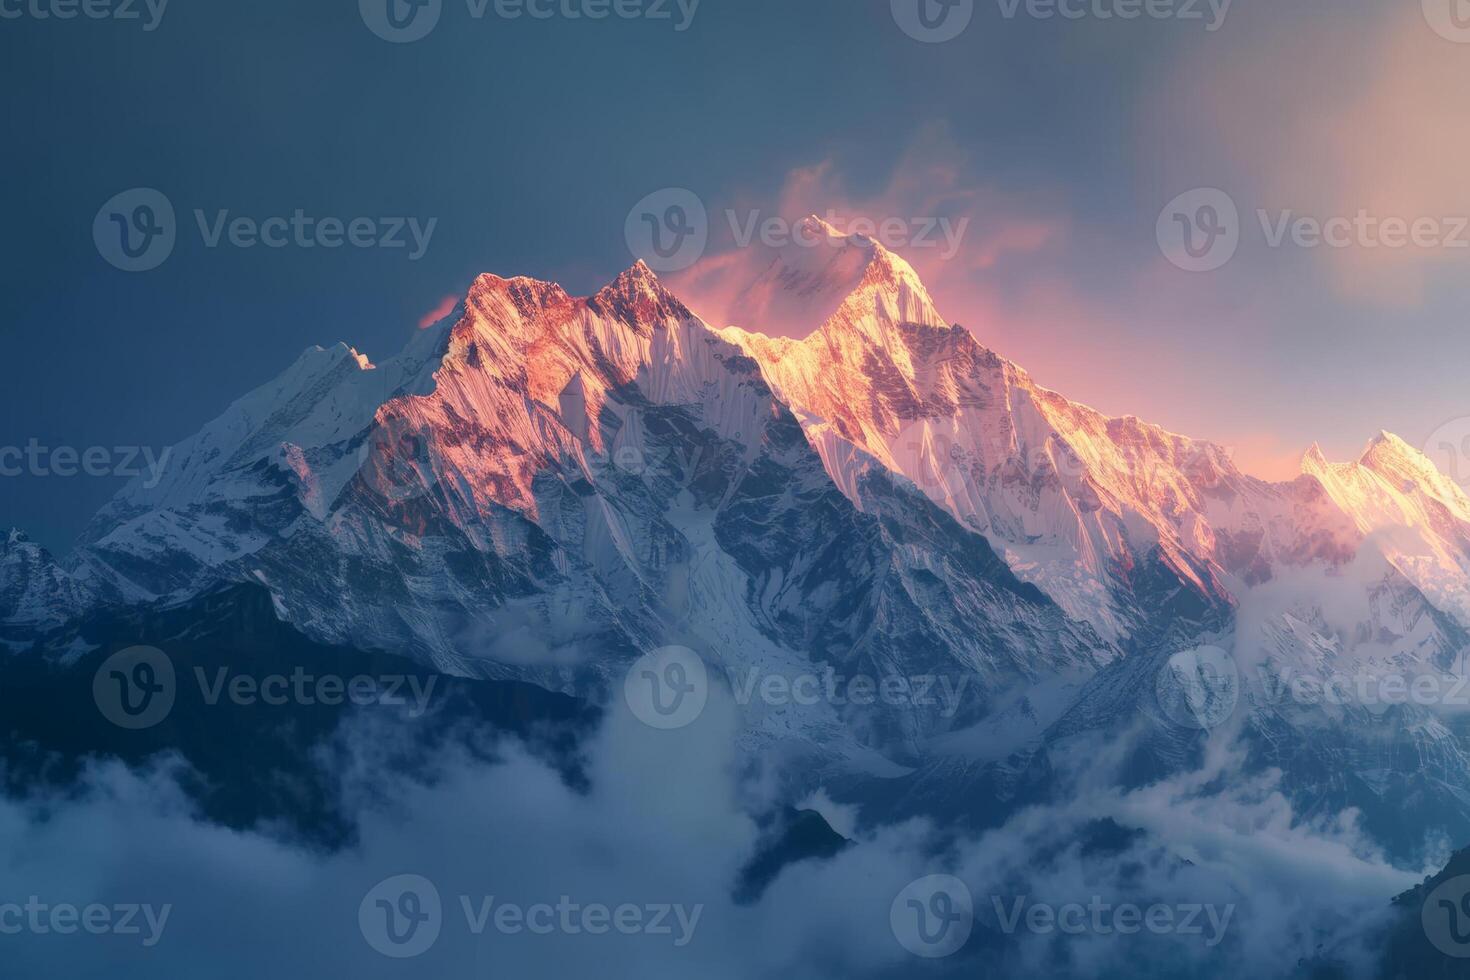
[[1068, 148]]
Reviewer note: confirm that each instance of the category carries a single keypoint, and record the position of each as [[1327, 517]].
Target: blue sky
[[528, 141]]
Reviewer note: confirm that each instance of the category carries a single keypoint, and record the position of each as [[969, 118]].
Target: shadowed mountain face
[[1432, 935], [248, 760], [1427, 934]]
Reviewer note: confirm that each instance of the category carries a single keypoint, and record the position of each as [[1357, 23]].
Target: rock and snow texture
[[34, 590], [1106, 515], [545, 486]]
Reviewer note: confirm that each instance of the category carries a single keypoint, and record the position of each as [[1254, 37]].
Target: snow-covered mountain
[[545, 487], [1117, 520], [1417, 517], [35, 592], [1349, 573]]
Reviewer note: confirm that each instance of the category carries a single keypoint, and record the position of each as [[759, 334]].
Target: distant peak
[[318, 358], [638, 272], [16, 539], [1386, 454], [813, 226], [637, 296], [1314, 460], [1391, 457], [815, 223], [1386, 446], [1386, 439], [489, 282], [530, 298]]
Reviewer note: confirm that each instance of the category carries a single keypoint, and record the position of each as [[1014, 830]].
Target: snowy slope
[[34, 590], [1106, 515], [544, 486], [1414, 515]]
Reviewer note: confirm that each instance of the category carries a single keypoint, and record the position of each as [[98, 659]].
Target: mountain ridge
[[541, 486], [1077, 500]]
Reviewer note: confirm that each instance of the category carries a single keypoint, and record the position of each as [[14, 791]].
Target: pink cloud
[[1151, 345], [978, 228], [444, 308]]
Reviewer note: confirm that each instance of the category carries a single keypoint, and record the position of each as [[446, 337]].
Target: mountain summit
[[823, 277], [1108, 516], [543, 486]]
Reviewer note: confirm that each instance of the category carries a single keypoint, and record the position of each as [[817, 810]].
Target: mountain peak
[[1386, 441], [824, 277], [638, 297], [526, 296], [638, 272], [1404, 466], [1314, 459], [1383, 453], [813, 227], [1387, 451], [890, 293]]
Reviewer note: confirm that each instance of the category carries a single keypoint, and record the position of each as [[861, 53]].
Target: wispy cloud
[[665, 820], [442, 309]]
